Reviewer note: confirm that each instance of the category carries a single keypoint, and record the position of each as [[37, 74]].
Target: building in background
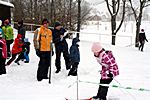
[[5, 10]]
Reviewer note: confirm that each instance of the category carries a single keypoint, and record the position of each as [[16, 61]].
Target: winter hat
[[0, 22], [96, 47], [45, 21], [20, 22], [142, 30], [19, 36], [26, 40], [57, 24], [75, 40], [6, 21]]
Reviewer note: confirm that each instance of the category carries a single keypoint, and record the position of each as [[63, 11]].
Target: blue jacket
[[74, 51], [1, 31]]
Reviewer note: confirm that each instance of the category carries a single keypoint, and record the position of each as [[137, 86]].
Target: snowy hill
[[20, 81]]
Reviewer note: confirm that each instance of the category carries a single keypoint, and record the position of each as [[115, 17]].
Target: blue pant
[[26, 56]]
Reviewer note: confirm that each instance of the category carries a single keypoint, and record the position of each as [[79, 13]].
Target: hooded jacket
[[8, 32], [17, 47], [3, 48], [74, 51], [108, 63]]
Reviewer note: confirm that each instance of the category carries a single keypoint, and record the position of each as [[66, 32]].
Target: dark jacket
[[142, 37], [27, 47], [59, 44], [74, 51], [22, 31]]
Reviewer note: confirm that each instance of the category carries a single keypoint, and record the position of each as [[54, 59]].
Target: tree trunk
[[113, 28], [138, 24], [79, 17], [70, 15], [137, 34]]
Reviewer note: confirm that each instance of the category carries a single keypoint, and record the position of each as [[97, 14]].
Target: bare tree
[[64, 11], [138, 11], [115, 6]]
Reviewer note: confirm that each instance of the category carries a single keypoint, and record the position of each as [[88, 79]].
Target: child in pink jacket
[[3, 55], [109, 69]]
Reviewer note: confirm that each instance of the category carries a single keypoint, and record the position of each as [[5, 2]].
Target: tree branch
[[123, 15], [135, 15], [118, 7], [108, 7]]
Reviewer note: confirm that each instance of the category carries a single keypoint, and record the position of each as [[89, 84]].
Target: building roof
[[6, 4]]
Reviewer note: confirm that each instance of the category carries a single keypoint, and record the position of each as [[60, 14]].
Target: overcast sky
[[101, 6]]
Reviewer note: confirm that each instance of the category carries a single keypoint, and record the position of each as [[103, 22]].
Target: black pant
[[2, 66], [8, 43], [74, 69], [12, 59], [44, 63], [58, 57], [141, 45], [21, 56], [102, 91]]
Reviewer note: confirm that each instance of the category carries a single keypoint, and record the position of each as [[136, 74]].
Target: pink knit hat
[[96, 47]]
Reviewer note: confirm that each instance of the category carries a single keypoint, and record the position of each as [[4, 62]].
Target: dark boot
[[57, 71], [95, 97], [73, 71], [17, 62]]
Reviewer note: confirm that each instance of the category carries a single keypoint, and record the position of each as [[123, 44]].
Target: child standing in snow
[[25, 52], [3, 54], [74, 56], [27, 49], [16, 49], [109, 69]]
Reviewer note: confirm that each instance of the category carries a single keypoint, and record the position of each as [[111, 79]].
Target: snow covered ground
[[20, 81]]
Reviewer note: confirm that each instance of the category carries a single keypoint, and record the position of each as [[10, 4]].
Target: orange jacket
[[45, 38]]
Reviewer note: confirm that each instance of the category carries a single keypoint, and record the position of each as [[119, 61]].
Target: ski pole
[[50, 63]]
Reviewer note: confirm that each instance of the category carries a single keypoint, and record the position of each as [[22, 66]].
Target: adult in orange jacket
[[44, 38]]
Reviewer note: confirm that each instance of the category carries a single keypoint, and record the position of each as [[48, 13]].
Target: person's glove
[[38, 52], [61, 37], [52, 52], [110, 75]]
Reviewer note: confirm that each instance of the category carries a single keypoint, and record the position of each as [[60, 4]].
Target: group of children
[[20, 48]]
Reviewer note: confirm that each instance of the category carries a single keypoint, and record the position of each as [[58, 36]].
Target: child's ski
[[81, 99]]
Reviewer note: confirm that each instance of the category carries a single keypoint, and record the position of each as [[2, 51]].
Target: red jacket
[[4, 48], [108, 63], [17, 47]]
